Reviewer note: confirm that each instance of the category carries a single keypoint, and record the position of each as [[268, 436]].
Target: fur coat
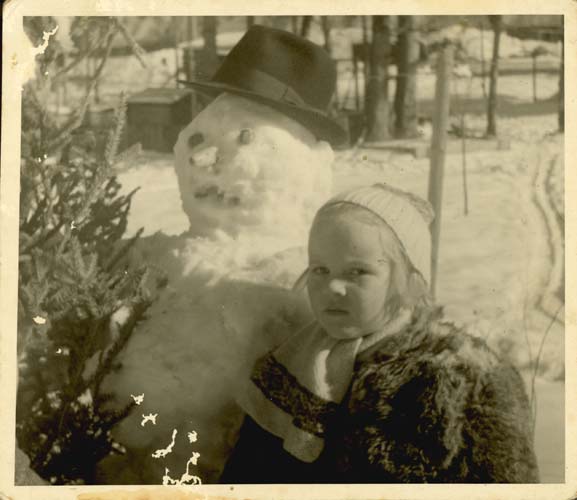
[[431, 404]]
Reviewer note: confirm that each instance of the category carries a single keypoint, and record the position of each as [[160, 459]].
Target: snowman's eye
[[246, 136], [195, 140]]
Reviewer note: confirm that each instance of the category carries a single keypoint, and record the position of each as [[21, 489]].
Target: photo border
[[16, 61]]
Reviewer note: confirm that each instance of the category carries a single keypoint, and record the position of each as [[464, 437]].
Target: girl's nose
[[338, 287]]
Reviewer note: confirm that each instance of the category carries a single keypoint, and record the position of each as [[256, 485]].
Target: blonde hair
[[409, 288]]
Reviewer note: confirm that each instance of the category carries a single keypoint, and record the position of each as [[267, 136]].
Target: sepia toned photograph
[[290, 249]]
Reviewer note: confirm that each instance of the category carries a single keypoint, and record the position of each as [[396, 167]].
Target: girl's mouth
[[333, 311]]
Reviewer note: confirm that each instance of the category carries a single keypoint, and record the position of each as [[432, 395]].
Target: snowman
[[252, 169]]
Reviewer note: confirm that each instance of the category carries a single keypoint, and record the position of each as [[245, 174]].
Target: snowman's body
[[250, 181]]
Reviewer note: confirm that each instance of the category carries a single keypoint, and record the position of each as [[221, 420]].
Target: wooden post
[[464, 163], [438, 147], [462, 99]]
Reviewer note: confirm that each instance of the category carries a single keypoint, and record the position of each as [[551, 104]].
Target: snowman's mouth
[[212, 192]]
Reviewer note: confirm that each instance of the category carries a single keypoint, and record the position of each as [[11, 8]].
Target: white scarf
[[294, 389]]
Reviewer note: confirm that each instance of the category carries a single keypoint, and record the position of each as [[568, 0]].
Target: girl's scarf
[[295, 389]]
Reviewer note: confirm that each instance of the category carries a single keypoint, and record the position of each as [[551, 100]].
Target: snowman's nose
[[204, 158]]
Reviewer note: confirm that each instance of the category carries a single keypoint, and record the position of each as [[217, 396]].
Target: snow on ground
[[550, 431], [494, 262], [478, 44], [126, 74], [515, 89]]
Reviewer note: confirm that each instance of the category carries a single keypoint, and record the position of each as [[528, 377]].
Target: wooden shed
[[155, 117]]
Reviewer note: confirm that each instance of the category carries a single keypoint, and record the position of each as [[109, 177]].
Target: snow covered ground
[[495, 263], [127, 74], [500, 265]]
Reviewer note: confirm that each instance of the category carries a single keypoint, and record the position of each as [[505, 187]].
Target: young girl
[[378, 388]]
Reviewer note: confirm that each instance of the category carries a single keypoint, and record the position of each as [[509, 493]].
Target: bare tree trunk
[[279, 22], [295, 24], [177, 31], [306, 26], [208, 60], [326, 25], [190, 28], [188, 62], [561, 116], [405, 104], [365, 58], [497, 25], [377, 91]]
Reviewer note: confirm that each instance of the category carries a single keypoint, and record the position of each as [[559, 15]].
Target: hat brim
[[319, 124]]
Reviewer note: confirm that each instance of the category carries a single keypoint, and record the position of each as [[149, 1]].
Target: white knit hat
[[406, 214]]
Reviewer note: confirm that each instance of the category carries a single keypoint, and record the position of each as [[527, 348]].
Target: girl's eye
[[358, 271], [320, 270]]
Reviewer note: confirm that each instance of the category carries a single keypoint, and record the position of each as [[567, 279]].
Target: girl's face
[[349, 275]]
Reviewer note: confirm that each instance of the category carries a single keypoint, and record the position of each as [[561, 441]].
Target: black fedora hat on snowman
[[283, 71]]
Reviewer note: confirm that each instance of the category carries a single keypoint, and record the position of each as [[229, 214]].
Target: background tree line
[[390, 41]]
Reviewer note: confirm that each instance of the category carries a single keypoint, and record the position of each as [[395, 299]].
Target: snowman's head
[[244, 167]]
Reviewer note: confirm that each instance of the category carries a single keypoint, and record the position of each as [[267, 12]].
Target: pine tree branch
[[122, 414], [116, 133], [43, 238], [137, 50], [109, 266], [30, 225], [45, 182], [77, 385], [129, 153], [81, 56], [62, 274], [125, 332]]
